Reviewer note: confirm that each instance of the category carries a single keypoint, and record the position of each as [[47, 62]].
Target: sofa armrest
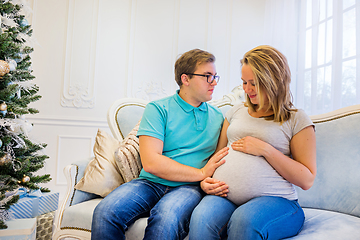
[[73, 173], [70, 173]]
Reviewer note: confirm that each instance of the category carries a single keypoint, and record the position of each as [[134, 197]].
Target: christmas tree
[[20, 158]]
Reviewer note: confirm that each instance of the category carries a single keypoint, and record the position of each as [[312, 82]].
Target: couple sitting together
[[216, 178]]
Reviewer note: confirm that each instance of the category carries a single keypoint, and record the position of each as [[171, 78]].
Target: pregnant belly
[[250, 176]]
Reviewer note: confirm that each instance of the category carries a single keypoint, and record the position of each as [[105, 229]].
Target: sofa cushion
[[128, 156], [319, 224], [102, 174], [79, 216], [324, 225]]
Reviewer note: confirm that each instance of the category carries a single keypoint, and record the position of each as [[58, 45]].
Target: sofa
[[332, 205]]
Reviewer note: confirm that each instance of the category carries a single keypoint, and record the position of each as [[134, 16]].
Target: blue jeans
[[168, 208], [260, 218]]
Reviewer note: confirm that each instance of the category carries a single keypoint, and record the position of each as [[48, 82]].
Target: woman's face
[[249, 85]]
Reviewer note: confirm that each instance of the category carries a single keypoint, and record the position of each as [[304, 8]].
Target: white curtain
[[281, 32], [325, 70]]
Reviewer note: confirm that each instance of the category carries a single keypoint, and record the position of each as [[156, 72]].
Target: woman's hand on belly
[[213, 186], [250, 145]]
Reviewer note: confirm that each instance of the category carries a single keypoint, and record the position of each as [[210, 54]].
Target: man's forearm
[[168, 169]]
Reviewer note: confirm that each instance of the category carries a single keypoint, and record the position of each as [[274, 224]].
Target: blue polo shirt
[[189, 134]]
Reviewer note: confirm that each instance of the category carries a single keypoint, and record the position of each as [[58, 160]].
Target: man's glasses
[[209, 78]]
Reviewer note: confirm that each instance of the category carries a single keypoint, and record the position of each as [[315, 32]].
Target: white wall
[[92, 52]]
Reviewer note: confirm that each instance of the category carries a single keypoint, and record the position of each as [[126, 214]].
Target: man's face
[[201, 90]]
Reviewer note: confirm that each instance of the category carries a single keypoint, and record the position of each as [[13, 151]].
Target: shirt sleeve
[[153, 122], [300, 121]]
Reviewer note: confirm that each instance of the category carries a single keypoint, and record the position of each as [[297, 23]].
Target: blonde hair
[[189, 61], [272, 76]]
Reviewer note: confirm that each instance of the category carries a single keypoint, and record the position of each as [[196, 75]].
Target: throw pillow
[[128, 156], [102, 174]]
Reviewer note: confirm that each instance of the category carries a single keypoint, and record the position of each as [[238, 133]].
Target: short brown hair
[[189, 61]]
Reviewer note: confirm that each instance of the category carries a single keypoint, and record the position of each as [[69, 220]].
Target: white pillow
[[102, 174]]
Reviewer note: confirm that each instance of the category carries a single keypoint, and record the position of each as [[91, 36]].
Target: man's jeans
[[169, 210], [260, 218]]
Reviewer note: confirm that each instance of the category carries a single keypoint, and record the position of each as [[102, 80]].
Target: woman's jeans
[[260, 218], [168, 208]]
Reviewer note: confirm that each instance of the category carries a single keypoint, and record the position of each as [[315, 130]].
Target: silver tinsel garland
[[4, 214]]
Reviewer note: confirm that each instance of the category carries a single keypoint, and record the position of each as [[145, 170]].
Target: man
[[177, 136]]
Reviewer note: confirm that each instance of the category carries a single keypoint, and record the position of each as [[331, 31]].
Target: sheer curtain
[[281, 32], [325, 56]]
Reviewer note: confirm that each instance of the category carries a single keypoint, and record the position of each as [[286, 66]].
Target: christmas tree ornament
[[19, 57], [3, 113], [5, 159], [4, 68], [25, 179], [24, 22], [0, 143], [12, 64], [3, 106]]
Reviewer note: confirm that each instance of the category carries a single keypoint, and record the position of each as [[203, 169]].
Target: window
[[328, 71]]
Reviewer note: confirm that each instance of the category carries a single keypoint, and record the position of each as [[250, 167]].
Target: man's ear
[[185, 79]]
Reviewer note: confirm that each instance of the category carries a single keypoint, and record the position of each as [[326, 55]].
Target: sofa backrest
[[123, 115], [337, 184]]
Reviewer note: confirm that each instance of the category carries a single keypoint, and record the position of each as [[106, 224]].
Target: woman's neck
[[260, 113]]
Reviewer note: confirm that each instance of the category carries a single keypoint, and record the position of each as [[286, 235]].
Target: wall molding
[[64, 121], [79, 73]]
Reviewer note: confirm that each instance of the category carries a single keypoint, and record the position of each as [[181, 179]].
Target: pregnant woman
[[272, 148]]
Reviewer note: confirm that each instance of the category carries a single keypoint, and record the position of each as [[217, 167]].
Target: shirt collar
[[186, 106]]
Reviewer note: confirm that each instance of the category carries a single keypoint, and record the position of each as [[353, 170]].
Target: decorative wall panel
[[80, 56], [154, 30]]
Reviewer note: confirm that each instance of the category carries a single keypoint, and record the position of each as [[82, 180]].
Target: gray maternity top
[[250, 176]]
